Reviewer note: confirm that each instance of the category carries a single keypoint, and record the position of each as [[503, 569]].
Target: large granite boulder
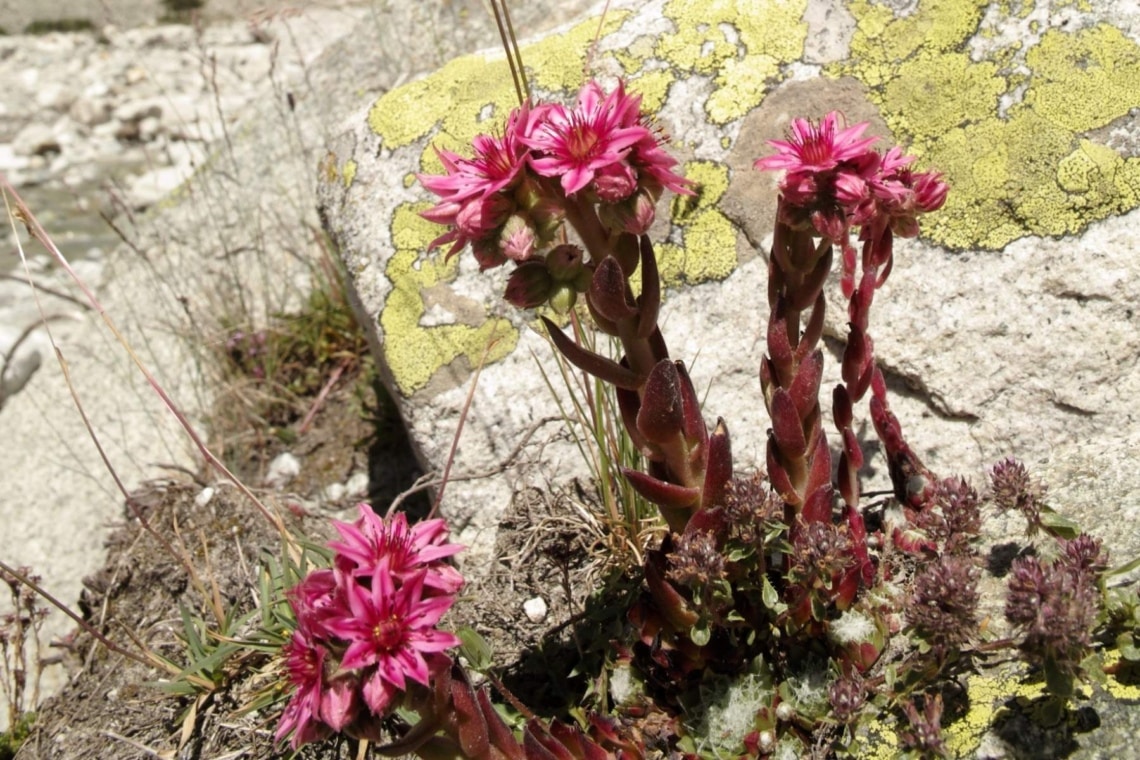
[[1008, 328]]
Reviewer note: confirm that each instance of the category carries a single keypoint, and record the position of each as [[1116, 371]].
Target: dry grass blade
[[25, 216], [491, 341], [24, 579]]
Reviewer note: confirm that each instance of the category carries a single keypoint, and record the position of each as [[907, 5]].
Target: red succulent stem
[[909, 477], [790, 374], [660, 407]]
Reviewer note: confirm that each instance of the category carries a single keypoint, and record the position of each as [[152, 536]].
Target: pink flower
[[817, 147], [392, 629], [577, 144], [304, 662], [315, 600], [473, 191], [405, 551], [655, 166], [367, 625]]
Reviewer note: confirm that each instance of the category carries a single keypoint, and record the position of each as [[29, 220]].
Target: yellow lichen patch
[[415, 352], [881, 40], [709, 239], [653, 86], [349, 172], [467, 91], [940, 91], [986, 693], [741, 82], [743, 44], [1030, 171], [1114, 687], [1085, 80]]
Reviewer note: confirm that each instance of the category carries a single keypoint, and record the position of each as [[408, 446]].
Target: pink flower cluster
[[833, 180], [604, 153], [366, 626]]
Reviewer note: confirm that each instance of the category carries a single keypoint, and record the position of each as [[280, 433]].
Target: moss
[[181, 11], [11, 740], [42, 26]]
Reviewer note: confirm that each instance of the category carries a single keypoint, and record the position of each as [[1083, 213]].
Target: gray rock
[[1009, 329], [37, 140]]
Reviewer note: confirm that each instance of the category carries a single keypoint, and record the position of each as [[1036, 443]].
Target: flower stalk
[[599, 168]]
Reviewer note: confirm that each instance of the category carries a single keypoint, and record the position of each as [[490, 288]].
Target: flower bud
[[488, 253], [565, 263], [339, 702], [517, 239], [547, 218], [615, 182], [634, 215], [530, 285], [564, 298], [930, 191]]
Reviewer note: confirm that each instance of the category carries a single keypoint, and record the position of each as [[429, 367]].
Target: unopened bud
[[766, 741], [517, 238], [487, 252], [564, 298], [530, 285], [634, 215], [565, 263], [615, 182], [547, 217]]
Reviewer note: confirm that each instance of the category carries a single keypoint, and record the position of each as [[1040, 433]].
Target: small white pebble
[[334, 492], [535, 609], [357, 485], [204, 496], [282, 470]]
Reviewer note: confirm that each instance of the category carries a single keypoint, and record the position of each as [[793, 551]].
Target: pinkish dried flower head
[[696, 563], [847, 696], [1055, 606], [953, 516], [1013, 489], [944, 606], [925, 731]]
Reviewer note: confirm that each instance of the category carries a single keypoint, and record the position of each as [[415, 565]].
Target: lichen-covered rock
[[1009, 328]]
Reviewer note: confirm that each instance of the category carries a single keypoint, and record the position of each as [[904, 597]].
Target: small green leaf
[[1059, 525], [768, 594], [1122, 569], [1093, 669], [738, 554], [1126, 643], [474, 648]]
